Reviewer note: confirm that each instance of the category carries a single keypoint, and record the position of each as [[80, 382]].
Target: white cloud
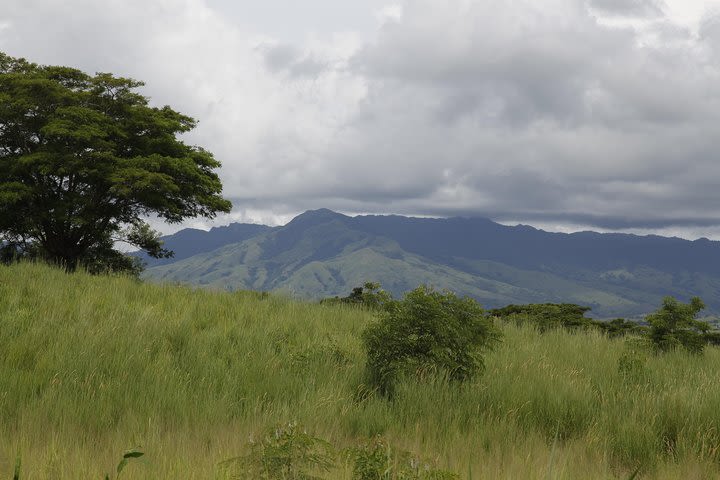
[[392, 13]]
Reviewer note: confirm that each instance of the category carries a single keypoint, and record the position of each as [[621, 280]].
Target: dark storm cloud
[[543, 115], [544, 111]]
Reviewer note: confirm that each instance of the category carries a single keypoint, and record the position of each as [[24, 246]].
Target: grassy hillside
[[90, 367]]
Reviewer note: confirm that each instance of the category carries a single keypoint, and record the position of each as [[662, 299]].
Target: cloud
[[631, 8], [514, 110]]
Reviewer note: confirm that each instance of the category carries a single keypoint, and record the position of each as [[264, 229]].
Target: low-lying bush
[[379, 461], [427, 331], [286, 453], [546, 316], [289, 452]]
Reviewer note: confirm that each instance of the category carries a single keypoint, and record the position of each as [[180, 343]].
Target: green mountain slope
[[321, 256]]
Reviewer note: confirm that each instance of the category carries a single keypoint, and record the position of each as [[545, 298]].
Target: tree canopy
[[675, 325], [85, 158]]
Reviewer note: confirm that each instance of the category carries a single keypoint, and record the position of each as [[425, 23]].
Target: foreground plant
[[127, 456], [427, 331], [379, 461], [286, 453]]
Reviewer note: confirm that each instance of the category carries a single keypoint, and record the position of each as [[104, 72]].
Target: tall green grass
[[93, 366]]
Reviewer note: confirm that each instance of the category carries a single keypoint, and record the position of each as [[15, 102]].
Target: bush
[[378, 461], [546, 316], [713, 338], [427, 331], [370, 295], [286, 453], [675, 325], [620, 327]]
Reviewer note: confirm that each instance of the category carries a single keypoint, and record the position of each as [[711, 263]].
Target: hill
[[191, 241], [322, 253], [92, 366]]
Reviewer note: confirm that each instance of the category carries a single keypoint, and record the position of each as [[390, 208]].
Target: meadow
[[93, 366]]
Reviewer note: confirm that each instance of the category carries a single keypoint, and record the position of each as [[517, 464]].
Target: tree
[[546, 316], [83, 159], [675, 325], [370, 296], [427, 330]]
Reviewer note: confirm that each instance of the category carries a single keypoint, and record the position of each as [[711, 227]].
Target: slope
[[322, 254]]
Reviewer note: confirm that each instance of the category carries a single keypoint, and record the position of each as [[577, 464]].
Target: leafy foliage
[[378, 461], [83, 158], [427, 330], [127, 456], [370, 295], [546, 316], [713, 338], [675, 325], [620, 327], [632, 364], [286, 453]]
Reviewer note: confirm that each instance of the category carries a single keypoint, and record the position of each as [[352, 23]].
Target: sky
[[563, 114]]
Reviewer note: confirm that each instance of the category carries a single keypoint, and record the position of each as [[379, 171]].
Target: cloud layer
[[539, 111]]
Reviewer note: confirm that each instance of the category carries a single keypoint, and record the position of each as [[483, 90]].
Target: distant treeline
[[675, 324]]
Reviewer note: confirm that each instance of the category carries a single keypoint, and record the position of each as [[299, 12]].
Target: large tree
[[84, 159]]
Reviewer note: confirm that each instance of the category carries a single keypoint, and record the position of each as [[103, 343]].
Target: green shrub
[[546, 316], [713, 338], [427, 331], [370, 295], [378, 461], [620, 327], [675, 325], [632, 365], [286, 453]]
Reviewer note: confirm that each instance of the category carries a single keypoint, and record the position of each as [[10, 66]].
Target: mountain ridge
[[322, 253]]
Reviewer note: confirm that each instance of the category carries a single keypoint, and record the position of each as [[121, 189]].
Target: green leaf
[[122, 465]]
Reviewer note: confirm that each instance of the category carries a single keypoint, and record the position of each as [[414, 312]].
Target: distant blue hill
[[191, 241], [322, 253]]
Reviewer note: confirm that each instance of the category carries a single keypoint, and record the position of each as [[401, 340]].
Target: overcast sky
[[564, 114]]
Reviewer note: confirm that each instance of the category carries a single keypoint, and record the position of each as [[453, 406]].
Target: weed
[[286, 453]]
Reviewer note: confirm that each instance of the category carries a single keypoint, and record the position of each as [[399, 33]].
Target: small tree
[[427, 330], [675, 325], [83, 159], [286, 453]]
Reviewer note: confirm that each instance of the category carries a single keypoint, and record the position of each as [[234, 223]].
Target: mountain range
[[321, 253]]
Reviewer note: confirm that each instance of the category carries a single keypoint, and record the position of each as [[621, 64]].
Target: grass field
[[92, 366]]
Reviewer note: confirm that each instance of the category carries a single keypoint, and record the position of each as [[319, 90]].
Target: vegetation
[[620, 327], [83, 159], [370, 295], [90, 366], [428, 331], [377, 460], [675, 325], [546, 315], [288, 453]]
